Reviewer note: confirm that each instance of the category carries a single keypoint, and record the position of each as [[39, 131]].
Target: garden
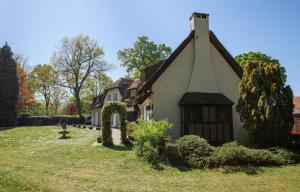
[[35, 159]]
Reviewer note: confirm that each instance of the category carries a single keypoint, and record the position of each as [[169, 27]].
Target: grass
[[34, 159]]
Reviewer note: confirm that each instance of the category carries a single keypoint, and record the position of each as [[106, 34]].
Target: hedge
[[52, 120], [108, 110], [195, 152]]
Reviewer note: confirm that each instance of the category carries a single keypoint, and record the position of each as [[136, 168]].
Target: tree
[[9, 87], [265, 104], [95, 84], [70, 109], [258, 56], [143, 54], [22, 61], [25, 100], [57, 96], [42, 80], [75, 60]]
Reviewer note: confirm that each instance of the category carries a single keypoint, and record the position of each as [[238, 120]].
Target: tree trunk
[[46, 104], [77, 97], [56, 107]]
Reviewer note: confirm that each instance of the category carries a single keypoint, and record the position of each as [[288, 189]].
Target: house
[[120, 90], [296, 113], [196, 88]]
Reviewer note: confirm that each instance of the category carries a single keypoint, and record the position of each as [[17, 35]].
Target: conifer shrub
[[194, 150]]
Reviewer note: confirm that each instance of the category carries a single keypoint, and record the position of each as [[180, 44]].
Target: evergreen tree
[[9, 87], [265, 104]]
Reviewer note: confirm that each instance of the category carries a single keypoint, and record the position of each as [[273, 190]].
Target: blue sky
[[34, 28]]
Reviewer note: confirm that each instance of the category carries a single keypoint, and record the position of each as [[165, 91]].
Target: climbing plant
[[107, 112]]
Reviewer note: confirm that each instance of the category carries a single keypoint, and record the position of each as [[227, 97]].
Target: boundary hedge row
[[52, 120]]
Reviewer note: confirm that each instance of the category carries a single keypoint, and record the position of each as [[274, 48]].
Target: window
[[133, 93], [108, 97], [115, 96], [149, 111], [211, 122]]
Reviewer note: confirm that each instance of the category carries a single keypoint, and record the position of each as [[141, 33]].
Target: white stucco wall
[[112, 92], [169, 88], [228, 83]]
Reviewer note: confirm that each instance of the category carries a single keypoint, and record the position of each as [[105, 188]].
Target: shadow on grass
[[122, 147], [64, 137], [6, 128], [182, 168], [157, 166], [249, 170]]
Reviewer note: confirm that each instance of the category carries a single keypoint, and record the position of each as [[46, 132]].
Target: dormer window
[[133, 93], [108, 97], [115, 96]]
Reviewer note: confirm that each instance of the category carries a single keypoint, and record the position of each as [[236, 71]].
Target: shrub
[[172, 154], [234, 154], [51, 120], [130, 127], [194, 151], [149, 139]]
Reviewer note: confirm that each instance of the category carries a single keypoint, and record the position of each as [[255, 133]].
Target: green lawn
[[34, 159]]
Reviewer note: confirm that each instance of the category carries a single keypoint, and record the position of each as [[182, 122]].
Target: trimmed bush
[[194, 151], [108, 110], [197, 153], [234, 154], [149, 138], [45, 120]]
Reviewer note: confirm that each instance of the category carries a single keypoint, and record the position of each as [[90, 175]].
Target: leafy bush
[[26, 120], [149, 139], [197, 153], [130, 127], [234, 154], [194, 150]]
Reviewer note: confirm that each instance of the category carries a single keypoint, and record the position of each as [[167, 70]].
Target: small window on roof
[[115, 96], [203, 16], [133, 93], [108, 97]]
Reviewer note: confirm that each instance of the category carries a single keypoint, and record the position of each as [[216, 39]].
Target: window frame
[[186, 121]]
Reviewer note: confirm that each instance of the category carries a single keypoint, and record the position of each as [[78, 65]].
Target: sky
[[34, 28]]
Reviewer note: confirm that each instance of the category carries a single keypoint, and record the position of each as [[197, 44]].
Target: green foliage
[[130, 128], [235, 155], [143, 54], [194, 150], [41, 81], [149, 138], [49, 120], [243, 58], [107, 112], [265, 104], [197, 153], [77, 59], [96, 84], [9, 87]]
